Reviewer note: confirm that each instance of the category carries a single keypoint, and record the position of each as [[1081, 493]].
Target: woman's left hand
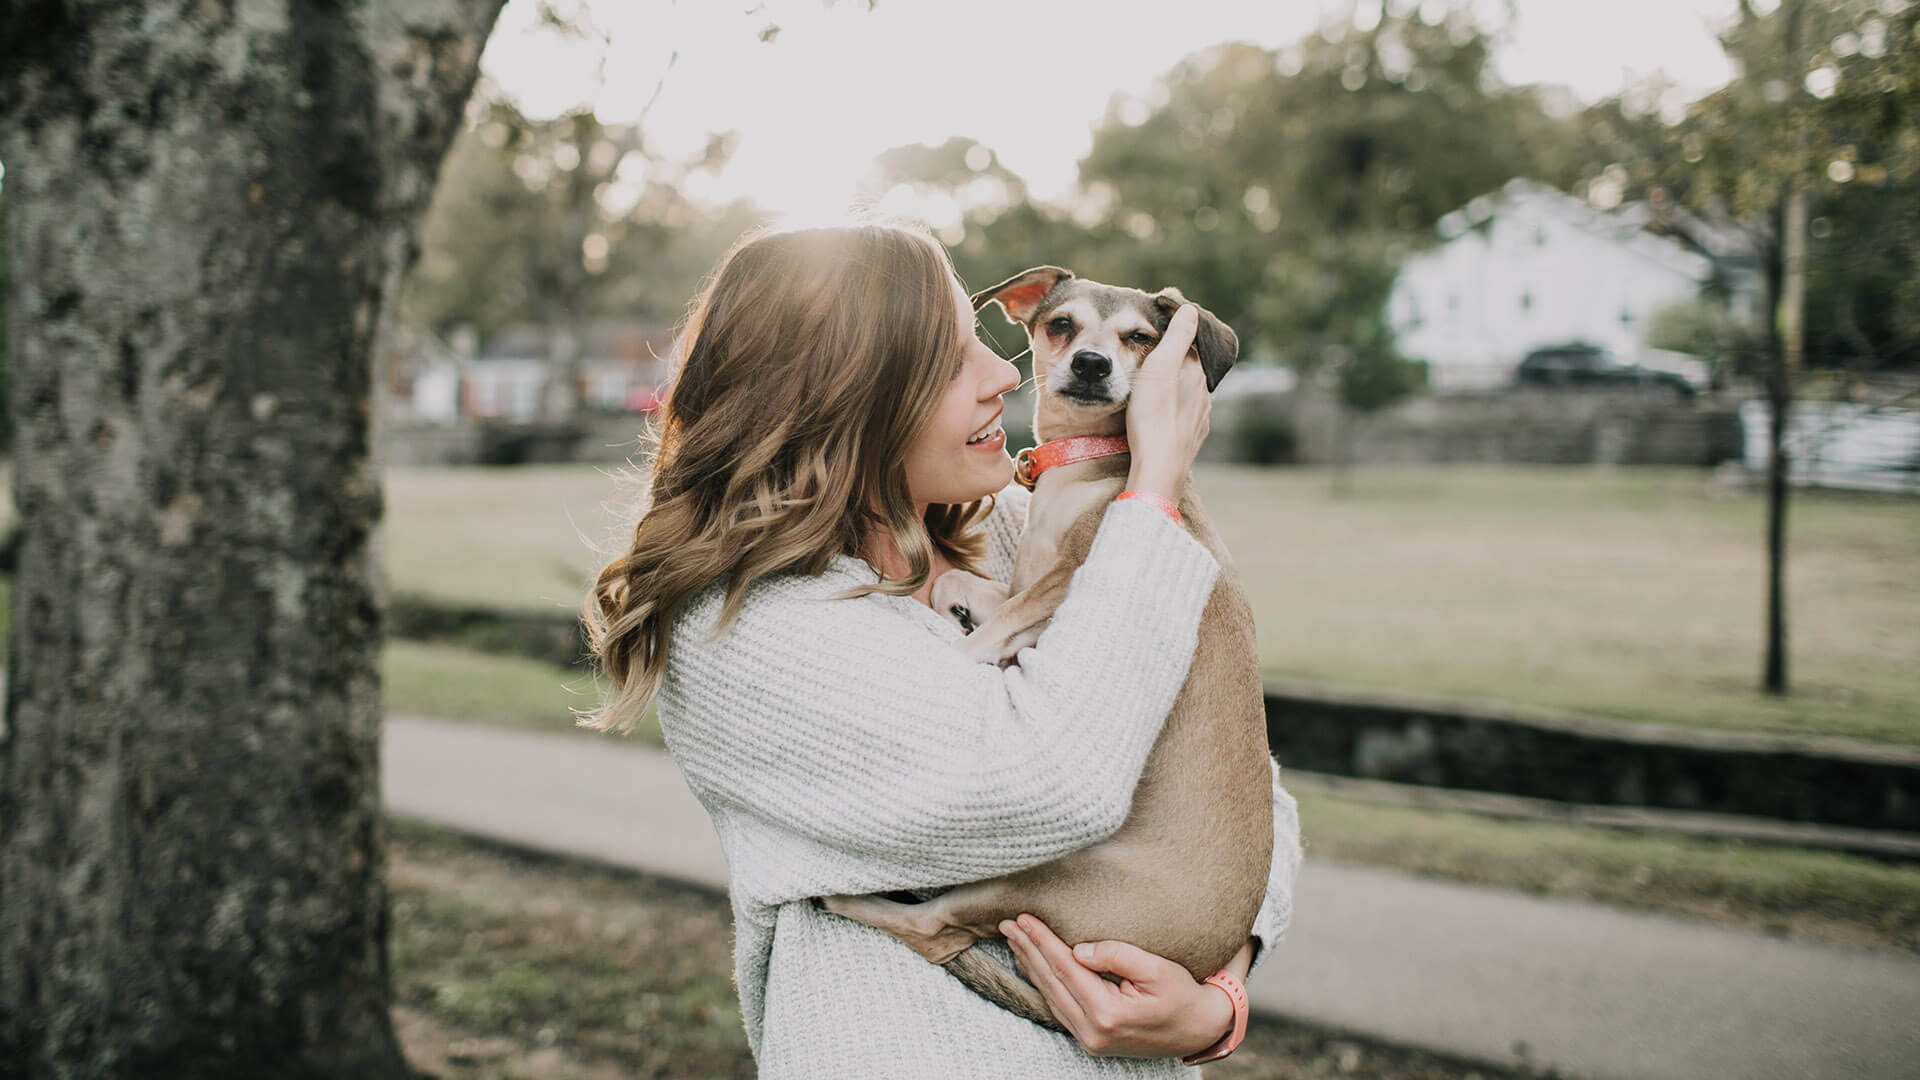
[[1157, 1009]]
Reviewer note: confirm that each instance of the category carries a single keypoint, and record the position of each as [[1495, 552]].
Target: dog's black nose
[[1088, 364]]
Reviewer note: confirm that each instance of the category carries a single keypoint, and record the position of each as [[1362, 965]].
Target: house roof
[[641, 341], [1626, 226]]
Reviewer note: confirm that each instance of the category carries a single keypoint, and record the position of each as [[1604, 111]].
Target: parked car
[[1580, 364]]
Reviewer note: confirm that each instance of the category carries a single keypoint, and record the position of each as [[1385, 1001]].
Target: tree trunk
[[1788, 282], [1342, 476], [208, 206]]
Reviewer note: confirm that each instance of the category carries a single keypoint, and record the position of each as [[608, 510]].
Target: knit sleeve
[[1276, 911], [864, 753]]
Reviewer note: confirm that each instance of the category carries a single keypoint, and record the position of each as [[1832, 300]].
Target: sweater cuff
[[1138, 539], [1276, 911]]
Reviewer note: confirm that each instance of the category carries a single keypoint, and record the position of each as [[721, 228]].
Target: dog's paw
[[967, 599]]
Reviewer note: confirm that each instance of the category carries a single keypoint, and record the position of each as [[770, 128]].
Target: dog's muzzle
[[1089, 383]]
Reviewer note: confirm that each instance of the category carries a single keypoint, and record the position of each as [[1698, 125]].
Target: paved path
[[1477, 972]]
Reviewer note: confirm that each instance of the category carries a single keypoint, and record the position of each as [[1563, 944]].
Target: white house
[[622, 366], [1528, 266]]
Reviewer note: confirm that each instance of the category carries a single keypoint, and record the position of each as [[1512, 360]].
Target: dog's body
[[1185, 875]]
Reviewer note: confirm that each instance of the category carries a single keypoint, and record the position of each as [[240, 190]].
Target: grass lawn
[[512, 966], [486, 688], [1630, 593], [1803, 894], [1811, 895], [1635, 594]]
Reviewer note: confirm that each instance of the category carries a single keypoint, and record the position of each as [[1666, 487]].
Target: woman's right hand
[[1167, 410]]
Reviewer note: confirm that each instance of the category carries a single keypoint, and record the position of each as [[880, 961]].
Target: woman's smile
[[990, 437]]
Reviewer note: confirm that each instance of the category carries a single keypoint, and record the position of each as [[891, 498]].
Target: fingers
[[1173, 346], [1122, 958], [1040, 971], [1082, 983]]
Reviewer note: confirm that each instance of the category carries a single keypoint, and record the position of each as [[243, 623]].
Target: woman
[[817, 466]]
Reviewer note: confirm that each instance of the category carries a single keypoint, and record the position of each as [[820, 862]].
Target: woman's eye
[[1061, 325]]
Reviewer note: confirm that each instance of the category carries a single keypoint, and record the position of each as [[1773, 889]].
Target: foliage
[[1264, 436], [1842, 120], [1702, 328], [1285, 187], [6, 409], [529, 209]]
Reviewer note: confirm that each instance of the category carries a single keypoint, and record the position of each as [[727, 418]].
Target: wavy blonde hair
[[812, 359]]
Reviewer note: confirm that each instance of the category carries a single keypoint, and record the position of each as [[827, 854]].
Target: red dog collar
[[1028, 464]]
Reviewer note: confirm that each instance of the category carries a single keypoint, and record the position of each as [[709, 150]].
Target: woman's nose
[[1009, 377]]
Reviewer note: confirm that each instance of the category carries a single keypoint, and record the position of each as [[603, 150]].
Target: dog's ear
[[1216, 342], [1020, 295]]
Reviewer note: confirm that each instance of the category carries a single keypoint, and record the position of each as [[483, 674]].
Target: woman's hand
[[1155, 1010], [1167, 410]]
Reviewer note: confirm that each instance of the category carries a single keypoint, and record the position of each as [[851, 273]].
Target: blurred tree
[[1704, 328], [208, 206], [557, 221], [1283, 189], [1265, 178], [491, 246], [1825, 98], [6, 411]]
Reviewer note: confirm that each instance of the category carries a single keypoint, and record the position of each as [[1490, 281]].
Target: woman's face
[[942, 466]]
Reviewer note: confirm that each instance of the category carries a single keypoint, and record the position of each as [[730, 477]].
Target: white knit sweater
[[844, 746]]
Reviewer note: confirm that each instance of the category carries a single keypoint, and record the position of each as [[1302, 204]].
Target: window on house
[[1526, 301], [1626, 317]]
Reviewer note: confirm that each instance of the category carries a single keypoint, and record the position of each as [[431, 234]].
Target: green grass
[[1630, 593], [502, 691], [521, 539], [1810, 894], [1635, 594]]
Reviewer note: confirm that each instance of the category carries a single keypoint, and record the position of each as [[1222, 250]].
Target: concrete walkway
[[1484, 974]]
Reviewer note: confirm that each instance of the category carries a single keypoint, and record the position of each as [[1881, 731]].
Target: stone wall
[[1511, 751], [1517, 426]]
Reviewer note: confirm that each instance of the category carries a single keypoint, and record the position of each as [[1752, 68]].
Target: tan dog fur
[[1185, 875]]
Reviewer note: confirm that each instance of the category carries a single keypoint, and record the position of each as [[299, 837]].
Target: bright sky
[[1029, 79]]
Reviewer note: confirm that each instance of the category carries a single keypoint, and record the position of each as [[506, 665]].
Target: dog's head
[[1088, 339]]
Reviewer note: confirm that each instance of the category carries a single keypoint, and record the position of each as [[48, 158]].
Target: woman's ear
[[1216, 342], [1020, 295]]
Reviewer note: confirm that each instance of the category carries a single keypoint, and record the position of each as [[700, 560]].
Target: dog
[[1194, 852]]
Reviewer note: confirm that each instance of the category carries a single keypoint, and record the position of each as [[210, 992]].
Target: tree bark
[[209, 203]]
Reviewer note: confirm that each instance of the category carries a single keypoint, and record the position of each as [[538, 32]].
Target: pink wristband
[[1229, 1042], [1166, 507]]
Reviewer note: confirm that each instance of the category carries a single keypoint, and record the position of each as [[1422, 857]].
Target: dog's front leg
[[967, 599], [1017, 623]]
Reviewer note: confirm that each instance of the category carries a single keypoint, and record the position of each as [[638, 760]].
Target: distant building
[[1529, 266], [623, 364]]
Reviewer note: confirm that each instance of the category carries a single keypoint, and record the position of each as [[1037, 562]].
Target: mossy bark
[[208, 204]]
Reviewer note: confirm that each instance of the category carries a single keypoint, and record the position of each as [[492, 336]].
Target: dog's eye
[[1141, 337], [1061, 325]]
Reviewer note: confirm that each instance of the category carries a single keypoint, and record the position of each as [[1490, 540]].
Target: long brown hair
[[811, 360]]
